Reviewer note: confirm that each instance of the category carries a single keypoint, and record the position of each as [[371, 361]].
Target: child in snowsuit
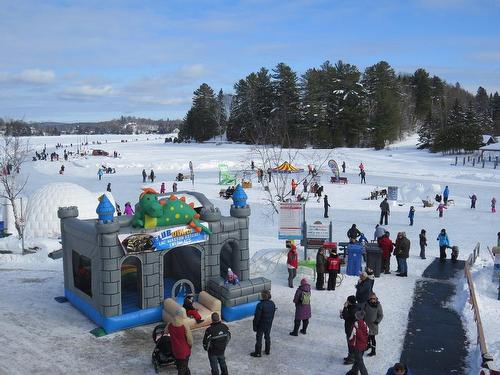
[[411, 214], [128, 209], [444, 243], [190, 310], [333, 267], [493, 205], [423, 243], [162, 188], [441, 209], [231, 278]]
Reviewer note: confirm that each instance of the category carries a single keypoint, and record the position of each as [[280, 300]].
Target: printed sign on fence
[[165, 239], [290, 221], [392, 193]]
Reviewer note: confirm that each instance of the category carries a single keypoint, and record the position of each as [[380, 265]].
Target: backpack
[[305, 298]]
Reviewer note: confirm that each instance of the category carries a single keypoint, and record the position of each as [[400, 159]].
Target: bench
[[342, 180], [205, 305]]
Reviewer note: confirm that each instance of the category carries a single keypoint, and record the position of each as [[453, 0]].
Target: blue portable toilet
[[354, 259]]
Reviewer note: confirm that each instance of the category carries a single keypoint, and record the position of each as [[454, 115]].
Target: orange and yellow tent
[[286, 167]]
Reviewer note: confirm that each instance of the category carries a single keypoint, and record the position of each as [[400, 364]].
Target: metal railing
[[481, 341]]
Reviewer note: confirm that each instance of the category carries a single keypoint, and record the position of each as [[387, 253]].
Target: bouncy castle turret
[[239, 208], [105, 209]]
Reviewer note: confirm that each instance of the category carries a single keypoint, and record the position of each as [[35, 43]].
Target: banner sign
[[290, 221], [334, 167], [165, 239], [318, 231], [392, 193]]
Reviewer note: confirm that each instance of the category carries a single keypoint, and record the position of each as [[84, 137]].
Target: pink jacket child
[[231, 278], [162, 188], [441, 209], [493, 205], [128, 209]]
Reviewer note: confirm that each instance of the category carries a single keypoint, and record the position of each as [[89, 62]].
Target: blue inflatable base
[[230, 314], [115, 323]]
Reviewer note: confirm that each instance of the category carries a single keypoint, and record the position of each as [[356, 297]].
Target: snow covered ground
[[42, 336]]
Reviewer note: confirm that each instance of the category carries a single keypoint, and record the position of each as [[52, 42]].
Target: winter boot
[[372, 353], [256, 355], [268, 349], [296, 325]]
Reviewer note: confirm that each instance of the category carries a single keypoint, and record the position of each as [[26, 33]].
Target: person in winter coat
[[362, 174], [373, 316], [294, 185], [399, 369], [358, 341], [128, 209], [215, 340], [343, 167], [333, 266], [302, 301], [444, 243], [361, 167], [190, 309], [144, 175], [263, 322], [473, 199], [385, 211], [182, 341], [371, 277], [387, 246], [353, 232], [319, 191], [379, 232], [152, 176], [118, 209], [348, 313], [162, 188], [320, 269], [292, 263], [403, 252], [326, 205], [269, 172], [411, 214], [108, 188], [441, 207], [100, 173], [446, 194], [498, 239], [493, 205], [174, 187], [363, 290], [423, 243]]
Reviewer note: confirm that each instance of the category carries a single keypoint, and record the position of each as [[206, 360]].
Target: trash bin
[[354, 258], [374, 258]]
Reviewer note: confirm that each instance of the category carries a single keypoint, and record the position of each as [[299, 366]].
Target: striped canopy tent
[[286, 167]]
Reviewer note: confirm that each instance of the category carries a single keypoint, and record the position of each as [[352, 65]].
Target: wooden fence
[[485, 356]]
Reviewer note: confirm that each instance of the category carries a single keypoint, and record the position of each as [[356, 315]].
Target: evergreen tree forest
[[337, 105]]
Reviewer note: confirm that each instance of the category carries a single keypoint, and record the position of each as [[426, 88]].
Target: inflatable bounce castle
[[118, 271]]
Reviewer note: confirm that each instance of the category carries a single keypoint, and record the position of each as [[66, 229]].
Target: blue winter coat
[[443, 240], [363, 290], [446, 192], [411, 214], [391, 371], [302, 311]]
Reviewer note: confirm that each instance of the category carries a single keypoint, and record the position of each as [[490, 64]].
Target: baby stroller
[[162, 354]]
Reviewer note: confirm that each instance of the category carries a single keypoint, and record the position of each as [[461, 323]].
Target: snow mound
[[42, 220]]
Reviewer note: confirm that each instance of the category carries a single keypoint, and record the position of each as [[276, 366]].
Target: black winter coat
[[320, 263], [363, 290], [264, 315], [353, 233], [348, 314], [403, 248], [216, 338], [384, 206]]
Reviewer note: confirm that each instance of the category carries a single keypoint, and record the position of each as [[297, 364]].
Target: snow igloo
[[41, 213]]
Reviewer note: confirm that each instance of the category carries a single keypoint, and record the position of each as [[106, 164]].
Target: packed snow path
[[435, 341]]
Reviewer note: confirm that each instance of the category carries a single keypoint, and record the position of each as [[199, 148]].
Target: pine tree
[[383, 103], [200, 123], [495, 113], [422, 90], [471, 134], [221, 114]]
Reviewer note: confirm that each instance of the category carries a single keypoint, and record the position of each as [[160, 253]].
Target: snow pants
[[292, 272], [320, 281], [332, 280], [267, 339], [193, 314], [359, 365], [442, 252], [384, 217]]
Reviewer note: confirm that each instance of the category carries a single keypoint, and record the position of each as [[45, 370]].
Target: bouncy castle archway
[[131, 284], [230, 258], [183, 262]]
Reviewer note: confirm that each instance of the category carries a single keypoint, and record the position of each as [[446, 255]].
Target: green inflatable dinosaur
[[151, 213]]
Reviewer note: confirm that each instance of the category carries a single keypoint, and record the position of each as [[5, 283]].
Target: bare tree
[[13, 154], [278, 189]]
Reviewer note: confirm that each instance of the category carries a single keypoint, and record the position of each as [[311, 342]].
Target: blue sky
[[98, 59]]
